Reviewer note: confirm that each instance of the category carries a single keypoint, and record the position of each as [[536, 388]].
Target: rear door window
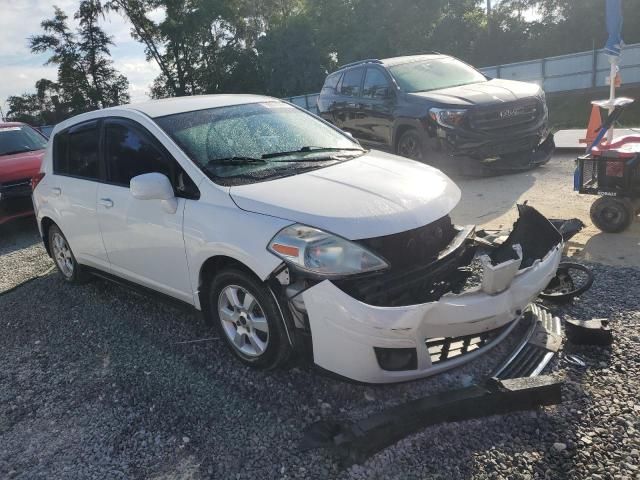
[[75, 152], [351, 81]]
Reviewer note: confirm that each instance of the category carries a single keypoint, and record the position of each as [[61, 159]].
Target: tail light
[[36, 179]]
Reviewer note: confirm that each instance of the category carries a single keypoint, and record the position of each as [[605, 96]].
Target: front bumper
[[15, 200], [346, 332], [505, 151]]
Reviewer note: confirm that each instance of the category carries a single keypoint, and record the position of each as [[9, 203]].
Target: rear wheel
[[410, 146], [63, 257], [249, 319], [612, 214]]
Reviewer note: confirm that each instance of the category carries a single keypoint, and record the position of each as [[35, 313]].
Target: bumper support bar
[[355, 442]]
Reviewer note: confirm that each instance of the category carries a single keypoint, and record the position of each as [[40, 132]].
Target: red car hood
[[20, 165]]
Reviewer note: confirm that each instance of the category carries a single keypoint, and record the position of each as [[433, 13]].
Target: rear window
[[75, 152], [351, 82]]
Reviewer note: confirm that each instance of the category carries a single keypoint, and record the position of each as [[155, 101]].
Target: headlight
[[323, 253], [448, 118]]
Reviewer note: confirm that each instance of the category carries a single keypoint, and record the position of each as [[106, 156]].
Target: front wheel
[[410, 146], [249, 319], [612, 215]]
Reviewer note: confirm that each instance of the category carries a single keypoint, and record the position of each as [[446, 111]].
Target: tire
[[249, 320], [63, 257], [411, 146], [612, 215], [562, 287]]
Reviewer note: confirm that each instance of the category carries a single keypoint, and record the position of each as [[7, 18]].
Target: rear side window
[[332, 81], [351, 82], [75, 152], [130, 152]]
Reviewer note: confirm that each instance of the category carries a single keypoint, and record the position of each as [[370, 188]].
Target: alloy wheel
[[409, 147], [62, 255], [243, 321]]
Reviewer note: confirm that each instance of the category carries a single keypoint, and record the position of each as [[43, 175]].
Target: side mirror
[[154, 186]]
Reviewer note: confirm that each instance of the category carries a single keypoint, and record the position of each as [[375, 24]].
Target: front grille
[[447, 348], [413, 247], [413, 285], [15, 188], [507, 115]]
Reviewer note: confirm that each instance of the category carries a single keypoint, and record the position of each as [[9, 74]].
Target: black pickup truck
[[437, 109]]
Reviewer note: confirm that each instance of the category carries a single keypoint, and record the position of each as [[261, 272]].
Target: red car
[[21, 153]]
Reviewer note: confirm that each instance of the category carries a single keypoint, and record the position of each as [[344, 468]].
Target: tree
[[86, 77]]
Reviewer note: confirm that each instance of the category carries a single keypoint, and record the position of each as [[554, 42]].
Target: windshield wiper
[[310, 149], [234, 161]]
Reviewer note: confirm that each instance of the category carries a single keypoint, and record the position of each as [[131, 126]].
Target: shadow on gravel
[[18, 234], [95, 382]]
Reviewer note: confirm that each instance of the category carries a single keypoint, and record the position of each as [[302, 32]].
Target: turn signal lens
[[286, 250]]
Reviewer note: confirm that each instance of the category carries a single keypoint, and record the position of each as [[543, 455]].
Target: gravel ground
[[95, 383], [22, 253]]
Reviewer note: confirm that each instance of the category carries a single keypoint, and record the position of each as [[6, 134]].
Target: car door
[[144, 243], [376, 108], [71, 191], [347, 104]]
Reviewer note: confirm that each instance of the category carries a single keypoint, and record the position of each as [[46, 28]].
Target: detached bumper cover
[[345, 330]]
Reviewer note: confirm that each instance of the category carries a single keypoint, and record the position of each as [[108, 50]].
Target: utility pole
[[1, 115], [489, 17]]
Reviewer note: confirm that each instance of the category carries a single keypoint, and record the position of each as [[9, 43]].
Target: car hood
[[370, 196], [20, 165], [493, 91]]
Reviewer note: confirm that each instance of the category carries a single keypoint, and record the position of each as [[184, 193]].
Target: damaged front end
[[448, 296]]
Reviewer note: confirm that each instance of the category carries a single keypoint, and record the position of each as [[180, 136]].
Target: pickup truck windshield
[[20, 139], [257, 140], [434, 74]]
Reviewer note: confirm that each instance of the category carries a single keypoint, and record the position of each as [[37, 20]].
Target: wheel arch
[[401, 128], [45, 225], [215, 264]]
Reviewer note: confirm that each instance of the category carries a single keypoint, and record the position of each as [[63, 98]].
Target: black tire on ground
[[563, 286], [64, 258], [248, 326], [611, 214], [410, 145]]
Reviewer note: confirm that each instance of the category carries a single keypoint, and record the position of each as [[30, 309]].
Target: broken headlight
[[323, 253]]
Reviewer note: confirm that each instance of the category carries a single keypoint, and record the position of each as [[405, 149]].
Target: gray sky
[[20, 69]]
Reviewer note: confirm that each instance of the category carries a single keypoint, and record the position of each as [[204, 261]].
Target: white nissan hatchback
[[286, 233]]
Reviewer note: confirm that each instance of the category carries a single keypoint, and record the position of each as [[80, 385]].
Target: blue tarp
[[614, 28]]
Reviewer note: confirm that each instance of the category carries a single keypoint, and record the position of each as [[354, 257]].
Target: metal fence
[[575, 71]]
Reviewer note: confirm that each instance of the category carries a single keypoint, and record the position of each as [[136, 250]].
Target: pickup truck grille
[[15, 189], [507, 115]]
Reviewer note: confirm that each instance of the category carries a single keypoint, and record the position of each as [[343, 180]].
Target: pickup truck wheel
[[249, 320], [63, 257], [612, 215], [410, 146]]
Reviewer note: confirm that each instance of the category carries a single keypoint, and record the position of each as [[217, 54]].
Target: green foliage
[[86, 78], [286, 47]]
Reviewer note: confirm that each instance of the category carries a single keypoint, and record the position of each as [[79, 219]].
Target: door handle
[[56, 191], [106, 202]]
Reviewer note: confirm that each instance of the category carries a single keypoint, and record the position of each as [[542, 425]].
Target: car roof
[[11, 124], [392, 61], [170, 106]]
